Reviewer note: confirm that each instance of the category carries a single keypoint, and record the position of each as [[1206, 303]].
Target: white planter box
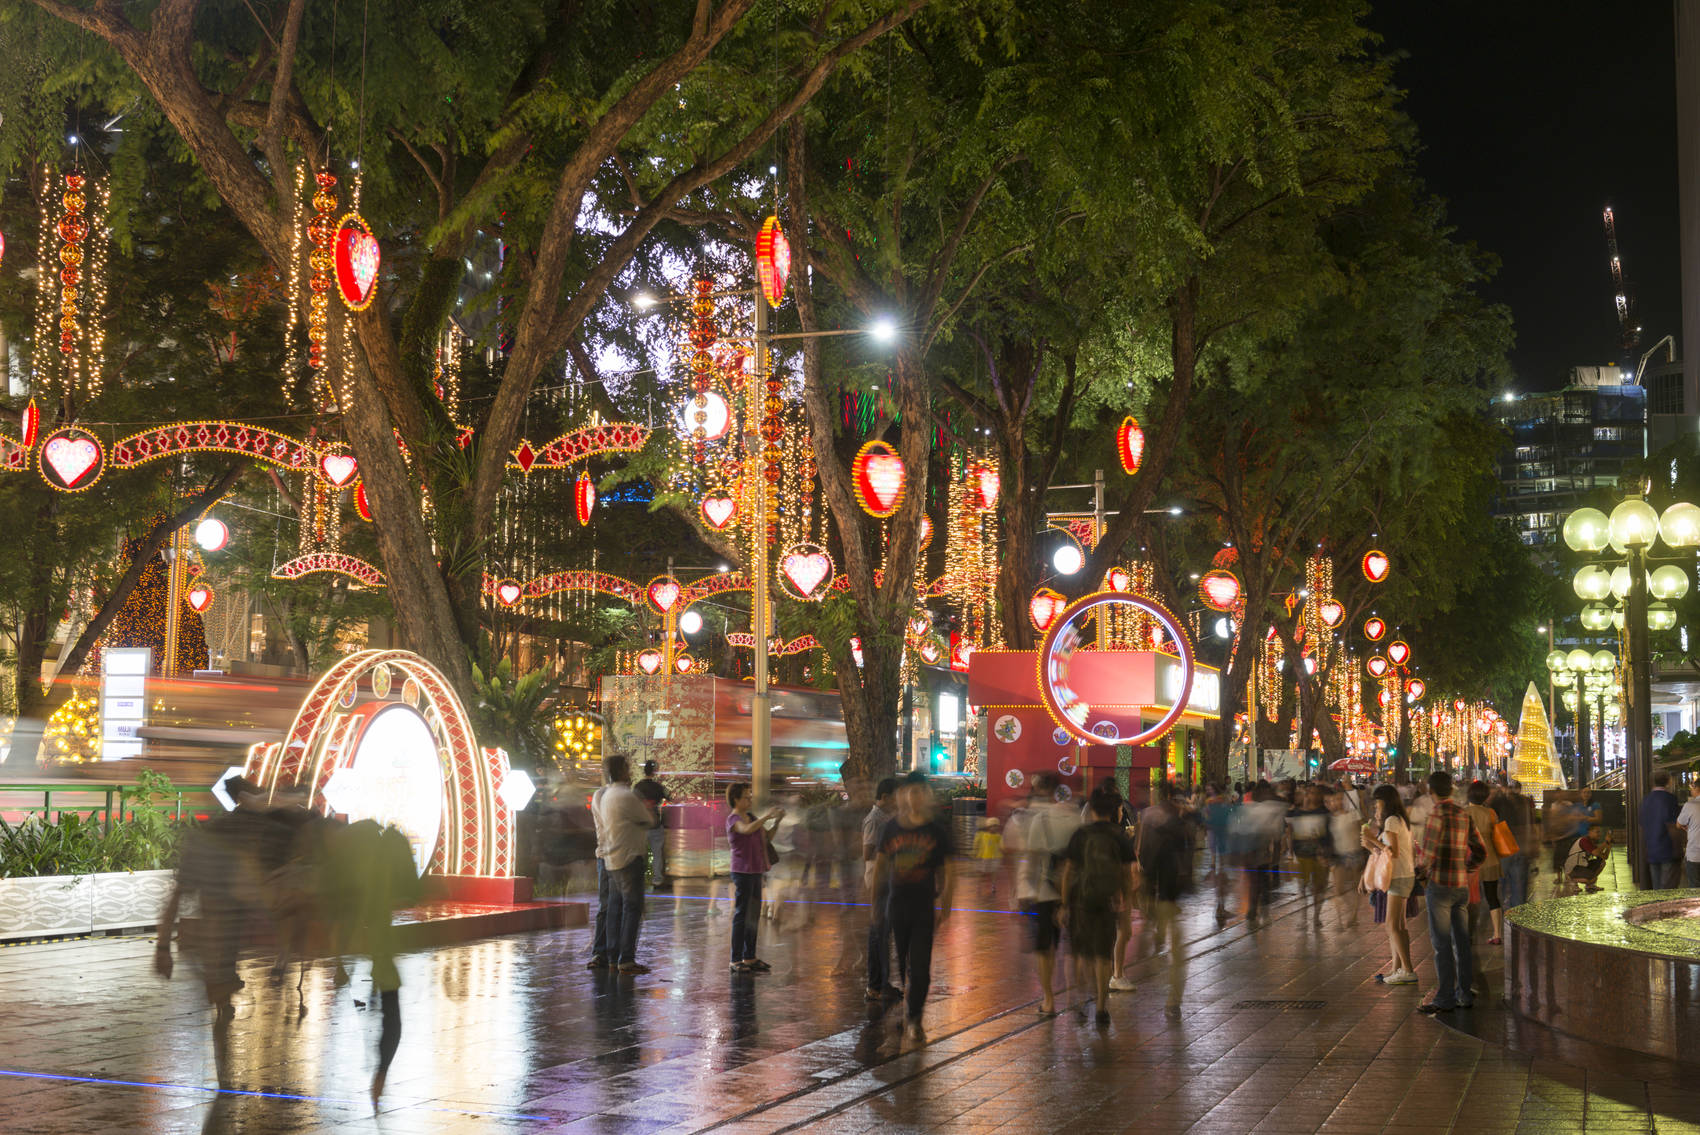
[[80, 904]]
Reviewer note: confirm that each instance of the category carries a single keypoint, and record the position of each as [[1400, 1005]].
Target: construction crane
[[1629, 331]]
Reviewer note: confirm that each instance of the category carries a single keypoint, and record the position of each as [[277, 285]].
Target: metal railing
[[113, 803]]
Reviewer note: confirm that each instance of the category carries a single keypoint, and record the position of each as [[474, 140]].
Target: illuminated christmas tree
[[141, 621], [1534, 760]]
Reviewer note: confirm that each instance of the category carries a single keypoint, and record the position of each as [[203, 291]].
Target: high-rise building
[[1687, 35], [1564, 445]]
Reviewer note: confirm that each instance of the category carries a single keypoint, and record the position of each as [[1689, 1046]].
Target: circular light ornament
[[509, 591], [357, 259], [71, 459], [1398, 653], [1374, 628], [1570, 699], [1596, 617], [878, 477], [1668, 582], [1661, 617], [1068, 559], [1579, 660], [212, 534], [1680, 525], [1219, 589], [1604, 662], [1130, 445], [393, 776], [1376, 565], [1586, 530], [1634, 524], [1557, 661], [1056, 653], [1563, 679], [1332, 611], [1416, 688], [1377, 666], [773, 261], [805, 570], [690, 622], [1591, 582], [717, 416], [1620, 579]]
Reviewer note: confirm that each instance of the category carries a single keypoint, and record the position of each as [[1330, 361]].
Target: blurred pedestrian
[[623, 825], [1096, 883], [1347, 855], [1307, 835], [1662, 841], [1517, 812], [1163, 854], [1688, 819], [880, 814], [914, 870], [654, 794], [1483, 818], [747, 834], [1039, 834]]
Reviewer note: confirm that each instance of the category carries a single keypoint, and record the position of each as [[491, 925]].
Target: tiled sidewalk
[[513, 1034]]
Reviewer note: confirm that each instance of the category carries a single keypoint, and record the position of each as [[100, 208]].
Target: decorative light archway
[[1067, 708], [477, 831]]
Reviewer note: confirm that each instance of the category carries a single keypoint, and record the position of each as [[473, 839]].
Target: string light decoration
[[71, 296], [321, 233], [446, 380], [773, 457], [72, 733], [141, 621], [1319, 583], [292, 305], [702, 336]]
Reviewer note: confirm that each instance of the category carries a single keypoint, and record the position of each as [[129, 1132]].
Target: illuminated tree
[[141, 621]]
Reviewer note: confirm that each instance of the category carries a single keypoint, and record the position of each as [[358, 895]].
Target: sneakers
[[633, 968], [756, 965], [1122, 984], [598, 962], [1400, 977]]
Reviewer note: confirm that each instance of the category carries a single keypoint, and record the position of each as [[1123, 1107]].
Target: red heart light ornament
[[1374, 628], [1118, 579], [508, 592], [1398, 653], [959, 655], [649, 661], [584, 498], [1331, 612], [1377, 666], [920, 624], [1130, 445], [1416, 688], [361, 505], [773, 261], [664, 592], [339, 468], [930, 652], [1376, 565], [877, 475], [1385, 698], [1044, 607], [717, 512], [807, 568], [984, 483], [683, 663], [200, 597], [1219, 590], [356, 253], [71, 460], [926, 530], [30, 423]]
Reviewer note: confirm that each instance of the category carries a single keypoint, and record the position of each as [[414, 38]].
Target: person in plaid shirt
[[1448, 850]]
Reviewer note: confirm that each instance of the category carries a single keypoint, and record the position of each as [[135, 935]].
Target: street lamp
[[1588, 681], [1633, 531]]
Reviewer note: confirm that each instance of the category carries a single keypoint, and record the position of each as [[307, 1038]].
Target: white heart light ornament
[[1374, 628], [1118, 579], [930, 652], [338, 468], [1044, 607], [649, 661], [877, 476], [717, 512], [200, 597], [1377, 666], [663, 592], [1219, 590], [1332, 612], [1416, 688], [1398, 653], [920, 624], [1376, 565], [508, 592], [72, 460], [683, 663], [985, 483], [807, 568]]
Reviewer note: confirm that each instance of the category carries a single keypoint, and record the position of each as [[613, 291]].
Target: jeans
[[1690, 873], [599, 943], [912, 927], [1514, 880], [1663, 876], [625, 895], [879, 944], [658, 853], [1449, 932], [746, 914]]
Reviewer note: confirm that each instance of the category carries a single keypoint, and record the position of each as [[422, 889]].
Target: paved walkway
[[1283, 1029]]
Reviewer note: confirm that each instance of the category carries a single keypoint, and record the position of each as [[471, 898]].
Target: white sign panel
[[123, 700]]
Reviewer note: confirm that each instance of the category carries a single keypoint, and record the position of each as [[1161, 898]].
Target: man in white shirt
[[622, 822], [1039, 833], [1689, 821]]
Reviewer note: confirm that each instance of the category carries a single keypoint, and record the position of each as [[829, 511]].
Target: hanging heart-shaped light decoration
[[773, 261], [31, 423], [983, 483], [1219, 589], [1118, 579], [930, 651], [878, 477], [717, 512], [508, 592], [1331, 612], [856, 650], [663, 592], [1376, 565], [361, 505], [584, 498], [1398, 653], [960, 653], [683, 663], [926, 530], [71, 460], [807, 569], [1374, 628], [1130, 445], [1416, 688], [339, 468], [200, 597], [649, 661], [920, 623], [1377, 666], [1385, 698], [356, 262], [1044, 607]]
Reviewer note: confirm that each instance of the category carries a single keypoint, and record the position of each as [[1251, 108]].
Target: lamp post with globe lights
[[1632, 532], [1589, 682]]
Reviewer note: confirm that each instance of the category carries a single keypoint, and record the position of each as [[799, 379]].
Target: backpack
[[1103, 874]]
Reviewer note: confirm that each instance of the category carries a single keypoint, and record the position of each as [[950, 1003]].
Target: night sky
[[1532, 118]]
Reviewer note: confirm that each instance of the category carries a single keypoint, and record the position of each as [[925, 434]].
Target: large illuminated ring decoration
[[1055, 653]]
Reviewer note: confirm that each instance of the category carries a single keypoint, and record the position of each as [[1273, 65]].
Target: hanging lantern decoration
[[1377, 666], [30, 424], [773, 261], [1118, 579], [584, 498], [356, 262], [1130, 445], [321, 232], [1219, 590], [1374, 628], [73, 230], [878, 478], [1331, 612], [717, 512], [1044, 607], [703, 336], [1376, 565], [200, 597], [805, 570], [1398, 653], [1416, 688], [983, 487]]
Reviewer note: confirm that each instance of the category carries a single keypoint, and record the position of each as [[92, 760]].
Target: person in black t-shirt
[[1097, 882], [654, 794], [913, 871]]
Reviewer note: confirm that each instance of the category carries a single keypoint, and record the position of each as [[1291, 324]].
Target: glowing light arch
[[477, 833], [352, 566], [214, 437], [577, 445]]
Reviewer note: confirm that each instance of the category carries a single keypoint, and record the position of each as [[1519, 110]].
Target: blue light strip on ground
[[167, 1086]]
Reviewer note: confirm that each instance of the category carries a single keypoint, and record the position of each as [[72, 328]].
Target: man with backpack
[[1097, 882], [1164, 852]]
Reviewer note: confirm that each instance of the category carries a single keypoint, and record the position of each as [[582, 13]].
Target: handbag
[[1504, 843]]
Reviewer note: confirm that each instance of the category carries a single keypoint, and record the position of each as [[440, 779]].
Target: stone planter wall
[[55, 905]]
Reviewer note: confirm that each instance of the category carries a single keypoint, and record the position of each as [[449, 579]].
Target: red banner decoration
[[584, 498], [597, 581], [1130, 445], [773, 261], [1376, 565], [356, 262], [878, 477]]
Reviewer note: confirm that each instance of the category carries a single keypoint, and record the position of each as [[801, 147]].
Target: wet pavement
[[1282, 1029]]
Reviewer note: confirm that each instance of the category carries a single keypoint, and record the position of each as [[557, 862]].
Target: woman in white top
[[1395, 842]]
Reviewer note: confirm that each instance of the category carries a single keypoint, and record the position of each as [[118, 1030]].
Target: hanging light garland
[[321, 232], [70, 297], [703, 334]]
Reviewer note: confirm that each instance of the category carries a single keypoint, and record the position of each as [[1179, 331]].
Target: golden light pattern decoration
[[357, 258], [578, 742], [773, 261], [321, 233], [336, 562], [72, 733], [71, 286]]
